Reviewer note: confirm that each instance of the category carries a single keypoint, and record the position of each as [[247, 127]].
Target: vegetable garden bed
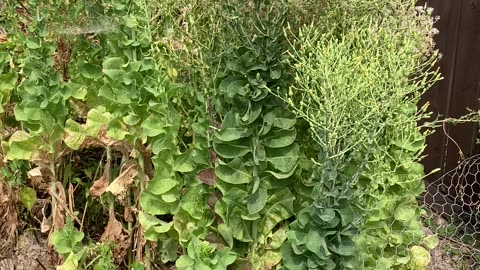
[[216, 134]]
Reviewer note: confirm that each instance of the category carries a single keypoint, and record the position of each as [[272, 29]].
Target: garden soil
[[29, 253]]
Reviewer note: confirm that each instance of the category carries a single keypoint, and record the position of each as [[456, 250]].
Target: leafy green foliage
[[241, 136], [202, 255], [28, 196], [370, 142], [255, 142], [67, 240]]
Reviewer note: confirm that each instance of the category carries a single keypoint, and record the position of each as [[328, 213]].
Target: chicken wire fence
[[452, 205]]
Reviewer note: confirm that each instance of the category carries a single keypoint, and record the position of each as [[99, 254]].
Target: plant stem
[[141, 176], [53, 188], [129, 223], [108, 168]]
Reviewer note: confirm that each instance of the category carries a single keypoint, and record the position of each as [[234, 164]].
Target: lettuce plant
[[358, 82]]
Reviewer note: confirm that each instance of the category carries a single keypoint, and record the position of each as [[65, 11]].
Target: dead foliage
[[59, 207], [115, 233], [40, 178], [8, 217], [207, 176], [99, 186], [62, 56], [120, 185]]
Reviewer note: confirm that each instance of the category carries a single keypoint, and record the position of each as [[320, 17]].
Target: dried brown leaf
[[213, 156], [90, 142], [242, 264], [8, 214], [41, 159], [60, 206], [114, 233], [46, 223], [120, 185], [40, 178], [99, 186], [5, 192], [127, 214], [117, 145], [207, 176], [113, 230], [3, 38]]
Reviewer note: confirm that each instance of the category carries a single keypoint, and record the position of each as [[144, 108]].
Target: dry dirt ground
[[449, 255], [29, 253]]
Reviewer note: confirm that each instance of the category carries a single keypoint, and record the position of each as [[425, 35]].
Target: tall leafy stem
[[255, 144], [353, 85]]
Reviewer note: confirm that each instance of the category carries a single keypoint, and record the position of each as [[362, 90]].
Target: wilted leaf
[[3, 38], [22, 146], [99, 186], [114, 233], [207, 176], [8, 213], [71, 263], [269, 260], [120, 185], [127, 214], [46, 223], [242, 264], [113, 230], [59, 216], [40, 178], [74, 134]]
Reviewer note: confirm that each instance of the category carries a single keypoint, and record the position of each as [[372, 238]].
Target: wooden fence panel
[[459, 43]]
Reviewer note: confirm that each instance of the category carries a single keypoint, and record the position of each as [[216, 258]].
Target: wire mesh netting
[[452, 205]]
